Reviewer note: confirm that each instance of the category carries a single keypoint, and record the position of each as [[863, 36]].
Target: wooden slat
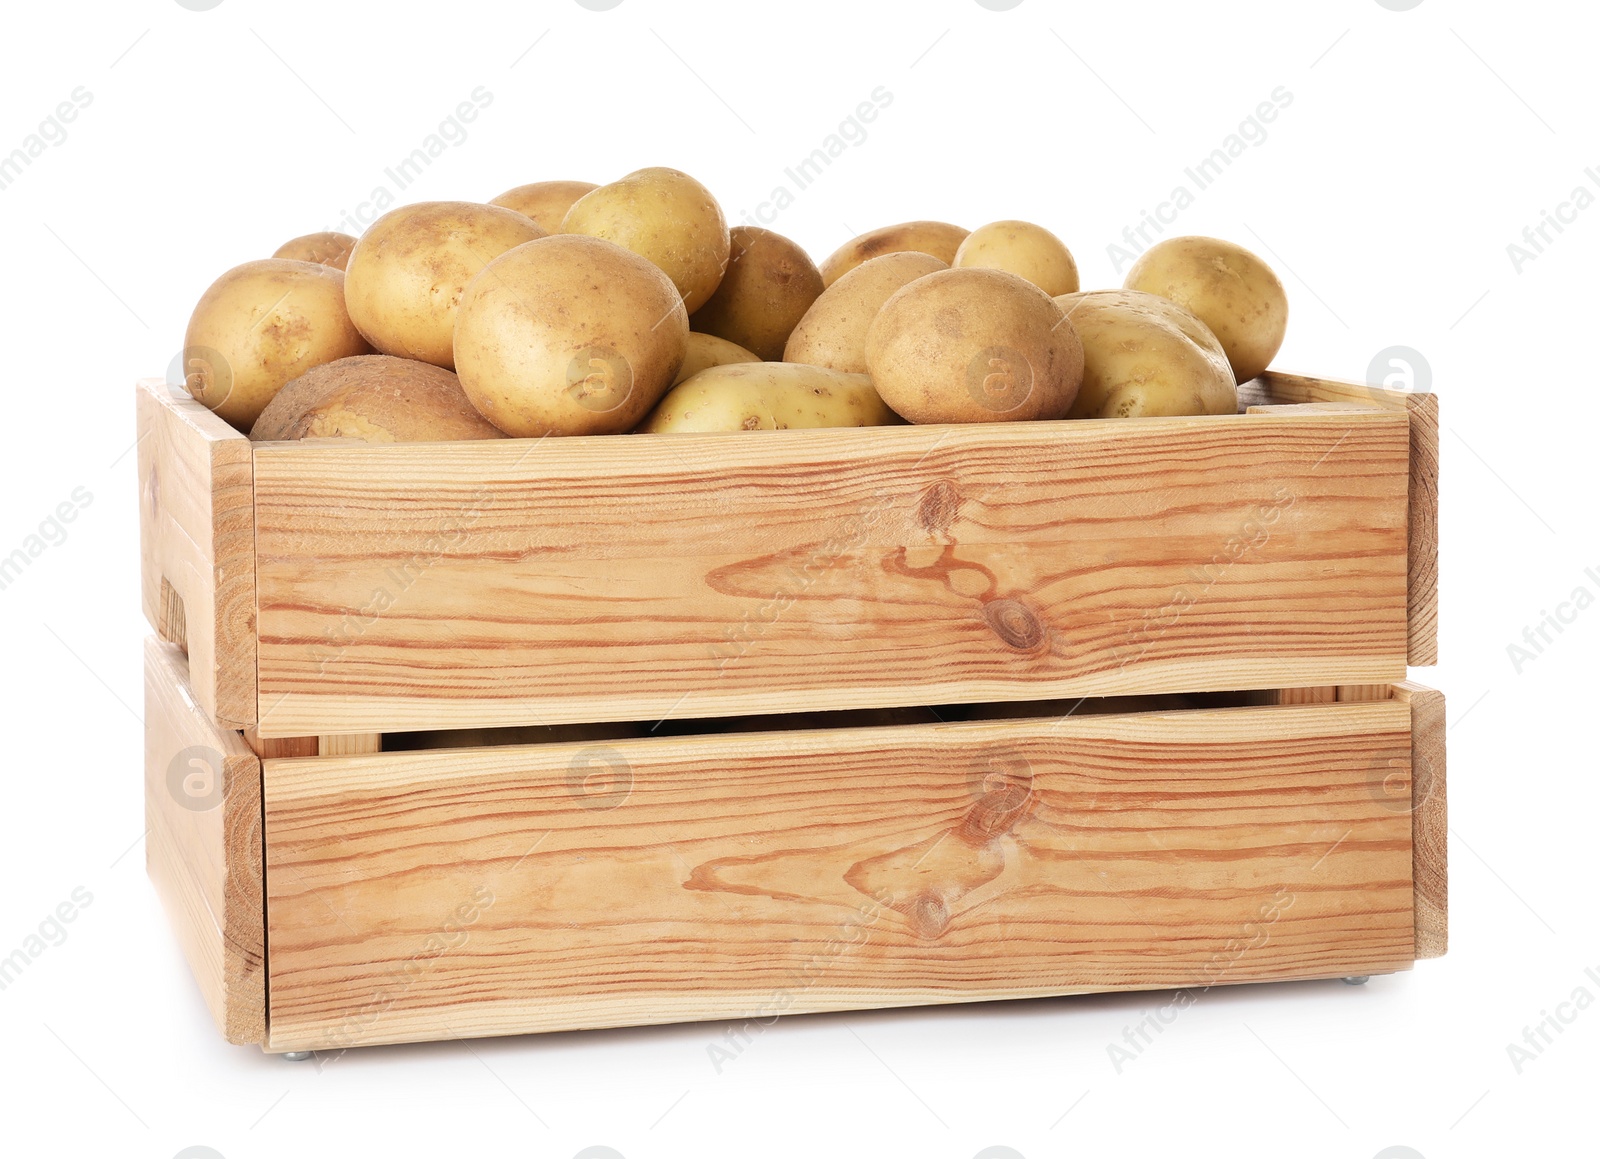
[[197, 544], [465, 893], [466, 585], [350, 744], [1319, 694], [1422, 411], [1429, 819], [203, 846]]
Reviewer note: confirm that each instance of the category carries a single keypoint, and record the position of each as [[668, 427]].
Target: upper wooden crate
[[327, 587]]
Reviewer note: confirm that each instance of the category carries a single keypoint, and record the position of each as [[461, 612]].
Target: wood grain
[[1422, 411], [443, 894], [411, 587], [1430, 823], [203, 845], [197, 544]]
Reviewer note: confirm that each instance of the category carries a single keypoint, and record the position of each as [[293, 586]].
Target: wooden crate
[[459, 892], [333, 589]]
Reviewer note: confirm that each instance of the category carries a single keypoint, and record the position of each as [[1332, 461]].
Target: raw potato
[[974, 346], [668, 218], [374, 398], [707, 350], [326, 249], [769, 396], [939, 238], [1022, 248], [768, 286], [546, 202], [260, 325], [833, 332], [569, 335], [1144, 355], [407, 272], [1231, 290]]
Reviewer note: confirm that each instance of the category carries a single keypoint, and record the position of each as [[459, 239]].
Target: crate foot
[[1356, 979], [303, 1055]]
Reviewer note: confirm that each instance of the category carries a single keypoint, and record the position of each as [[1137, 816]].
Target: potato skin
[[406, 274], [707, 350], [569, 335], [373, 398], [973, 346], [1022, 248], [328, 248], [768, 286], [1227, 287], [546, 202], [665, 216], [768, 396], [833, 332], [260, 325], [939, 238], [1144, 355]]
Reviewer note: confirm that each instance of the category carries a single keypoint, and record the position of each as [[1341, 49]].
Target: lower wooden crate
[[459, 892]]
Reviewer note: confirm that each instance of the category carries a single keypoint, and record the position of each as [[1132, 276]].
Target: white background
[[1418, 145]]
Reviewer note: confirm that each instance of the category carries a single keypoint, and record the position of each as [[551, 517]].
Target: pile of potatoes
[[573, 309]]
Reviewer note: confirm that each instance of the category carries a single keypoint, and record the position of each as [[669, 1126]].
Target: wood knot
[[1014, 624], [938, 508], [1003, 786], [928, 915]]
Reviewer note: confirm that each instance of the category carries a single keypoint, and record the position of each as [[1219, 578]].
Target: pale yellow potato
[[1227, 287], [974, 346], [707, 350], [769, 284], [260, 325], [406, 274], [329, 248], [769, 396], [939, 238], [1022, 248], [1144, 355], [833, 333], [569, 335], [373, 398], [668, 218], [546, 202]]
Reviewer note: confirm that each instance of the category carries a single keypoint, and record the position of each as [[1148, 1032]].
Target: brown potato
[[373, 398], [329, 248], [1227, 287], [768, 286], [939, 238], [769, 396], [666, 217], [1144, 355], [707, 350], [569, 335], [260, 325], [407, 272], [546, 202], [974, 346], [1022, 248], [833, 332]]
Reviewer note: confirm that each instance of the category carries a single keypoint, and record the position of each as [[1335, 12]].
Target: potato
[[974, 346], [407, 272], [833, 332], [546, 202], [1227, 287], [938, 238], [707, 350], [1022, 248], [666, 217], [373, 398], [768, 286], [769, 396], [326, 249], [260, 325], [1144, 355], [569, 335]]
